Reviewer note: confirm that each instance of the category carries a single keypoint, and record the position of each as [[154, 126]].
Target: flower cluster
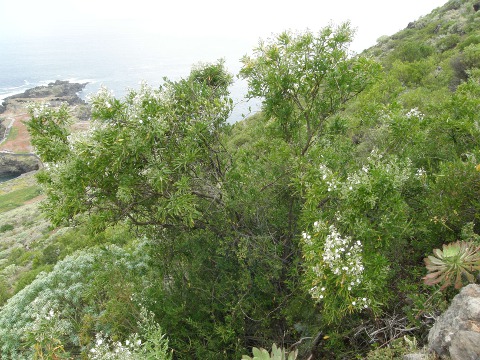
[[343, 255], [376, 166], [38, 109], [420, 173], [103, 98], [415, 113], [105, 348], [337, 265]]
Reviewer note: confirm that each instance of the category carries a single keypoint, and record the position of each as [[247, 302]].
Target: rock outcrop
[[56, 92], [12, 165], [456, 332]]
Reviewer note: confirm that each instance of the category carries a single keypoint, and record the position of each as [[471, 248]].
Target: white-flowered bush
[[151, 344], [361, 223], [335, 269], [84, 286]]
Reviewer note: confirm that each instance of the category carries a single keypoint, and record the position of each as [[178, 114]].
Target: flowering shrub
[[151, 343], [96, 284], [358, 232], [335, 269], [106, 349]]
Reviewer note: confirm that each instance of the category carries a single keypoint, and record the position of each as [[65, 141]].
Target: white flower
[[354, 303], [420, 172]]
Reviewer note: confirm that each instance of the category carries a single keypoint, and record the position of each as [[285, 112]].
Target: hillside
[[164, 232]]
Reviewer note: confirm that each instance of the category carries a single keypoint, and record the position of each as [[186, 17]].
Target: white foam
[[5, 95]]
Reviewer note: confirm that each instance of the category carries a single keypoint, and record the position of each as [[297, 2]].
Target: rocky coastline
[[56, 92], [16, 153]]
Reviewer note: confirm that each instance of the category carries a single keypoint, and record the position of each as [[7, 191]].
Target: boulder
[[465, 345], [415, 357], [456, 332]]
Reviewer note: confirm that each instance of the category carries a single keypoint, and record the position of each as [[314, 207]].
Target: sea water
[[117, 61]]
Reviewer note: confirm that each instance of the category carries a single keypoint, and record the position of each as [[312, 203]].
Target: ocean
[[117, 61]]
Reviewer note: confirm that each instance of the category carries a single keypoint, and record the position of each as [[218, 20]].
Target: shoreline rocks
[[55, 92]]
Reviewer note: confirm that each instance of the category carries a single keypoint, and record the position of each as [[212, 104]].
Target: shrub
[[149, 344], [411, 51], [448, 42], [412, 73], [364, 228], [99, 282], [6, 227]]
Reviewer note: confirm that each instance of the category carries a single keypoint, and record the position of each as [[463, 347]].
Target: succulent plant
[[456, 262], [276, 354]]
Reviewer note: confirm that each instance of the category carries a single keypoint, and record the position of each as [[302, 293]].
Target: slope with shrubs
[[305, 225]]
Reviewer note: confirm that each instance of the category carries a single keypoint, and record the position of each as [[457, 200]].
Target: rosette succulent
[[456, 262]]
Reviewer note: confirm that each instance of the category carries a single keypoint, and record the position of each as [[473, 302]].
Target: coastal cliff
[[13, 165]]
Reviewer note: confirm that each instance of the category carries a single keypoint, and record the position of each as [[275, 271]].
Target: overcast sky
[[246, 19]]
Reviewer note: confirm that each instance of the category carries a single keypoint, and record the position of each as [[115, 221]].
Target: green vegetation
[[277, 354], [305, 225], [18, 197], [12, 134]]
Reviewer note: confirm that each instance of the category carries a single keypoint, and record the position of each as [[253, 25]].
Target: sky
[[246, 20]]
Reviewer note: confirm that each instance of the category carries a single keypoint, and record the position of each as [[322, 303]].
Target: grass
[[14, 193], [16, 198], [12, 135], [18, 183]]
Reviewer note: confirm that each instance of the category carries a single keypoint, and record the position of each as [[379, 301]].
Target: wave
[[7, 94]]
